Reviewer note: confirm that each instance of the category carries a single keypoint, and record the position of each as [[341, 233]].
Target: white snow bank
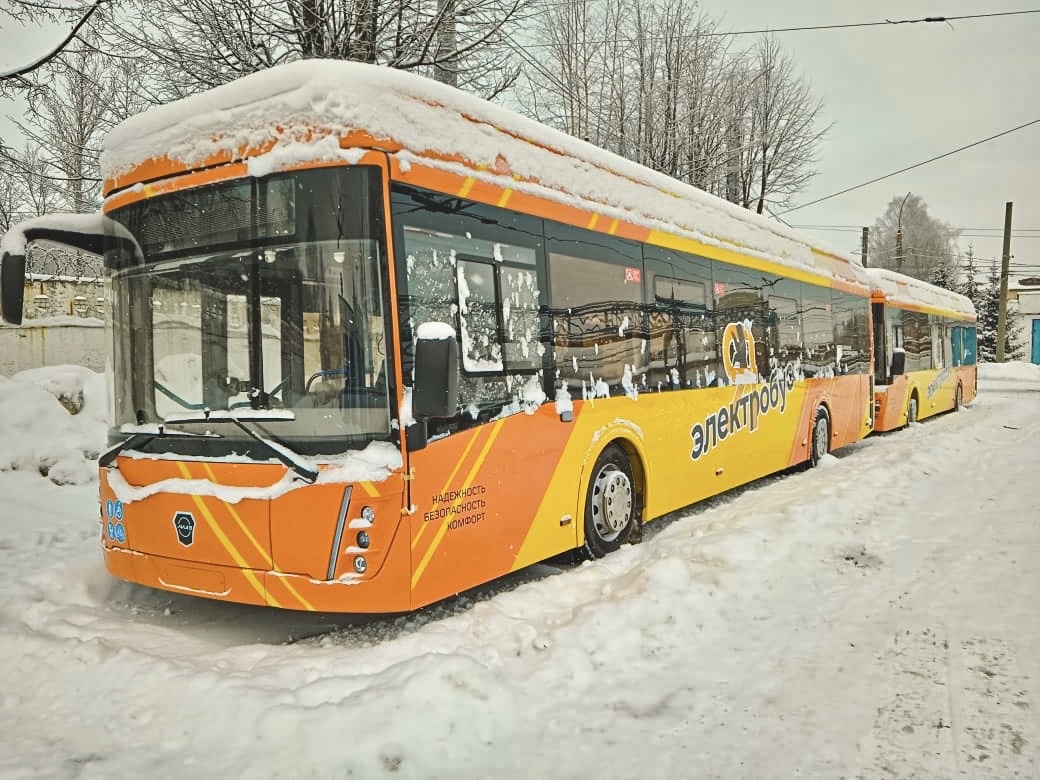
[[52, 420], [1013, 370]]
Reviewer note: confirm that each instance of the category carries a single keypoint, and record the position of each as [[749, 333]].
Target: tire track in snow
[[960, 708]]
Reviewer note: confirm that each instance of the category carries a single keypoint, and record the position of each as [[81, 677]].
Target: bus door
[[880, 349], [468, 274]]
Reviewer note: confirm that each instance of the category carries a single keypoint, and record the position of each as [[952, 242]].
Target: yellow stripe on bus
[[495, 429], [467, 186], [448, 481], [259, 547], [222, 538], [264, 554], [506, 195]]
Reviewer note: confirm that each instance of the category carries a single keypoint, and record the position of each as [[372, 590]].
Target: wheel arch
[[914, 396], [629, 438]]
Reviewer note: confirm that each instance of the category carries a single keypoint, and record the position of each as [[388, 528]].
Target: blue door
[[1036, 342]]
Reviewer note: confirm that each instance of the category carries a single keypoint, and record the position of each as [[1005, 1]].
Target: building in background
[[1024, 295]]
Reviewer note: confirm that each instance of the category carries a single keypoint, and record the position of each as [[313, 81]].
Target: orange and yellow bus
[[374, 341], [924, 349]]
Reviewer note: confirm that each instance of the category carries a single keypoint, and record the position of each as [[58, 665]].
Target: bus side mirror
[[12, 287], [435, 392], [85, 232], [898, 363]]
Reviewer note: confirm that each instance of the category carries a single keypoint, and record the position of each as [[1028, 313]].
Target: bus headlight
[[360, 564], [368, 514], [362, 540]]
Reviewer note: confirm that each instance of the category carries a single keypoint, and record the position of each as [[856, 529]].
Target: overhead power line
[[769, 30], [911, 167], [886, 22]]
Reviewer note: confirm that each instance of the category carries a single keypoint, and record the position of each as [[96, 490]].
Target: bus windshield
[[250, 297]]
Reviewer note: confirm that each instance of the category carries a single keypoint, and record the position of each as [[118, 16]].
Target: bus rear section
[[924, 350]]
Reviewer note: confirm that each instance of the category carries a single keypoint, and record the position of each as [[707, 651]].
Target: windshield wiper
[[139, 438], [304, 468]]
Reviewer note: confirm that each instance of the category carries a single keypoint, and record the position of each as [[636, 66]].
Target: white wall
[[1027, 309], [61, 324]]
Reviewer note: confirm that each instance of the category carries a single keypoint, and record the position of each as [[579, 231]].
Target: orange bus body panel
[[275, 551]]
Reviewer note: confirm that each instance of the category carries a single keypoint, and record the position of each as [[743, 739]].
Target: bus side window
[[741, 302], [682, 349], [917, 340], [818, 331], [938, 345], [852, 331], [596, 307], [785, 327], [957, 345]]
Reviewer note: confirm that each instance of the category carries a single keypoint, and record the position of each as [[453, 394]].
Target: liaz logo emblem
[[184, 522]]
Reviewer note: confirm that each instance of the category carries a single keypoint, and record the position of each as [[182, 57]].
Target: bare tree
[[11, 199], [907, 239], [785, 115], [564, 79], [446, 68], [654, 82], [193, 45], [71, 107], [31, 10]]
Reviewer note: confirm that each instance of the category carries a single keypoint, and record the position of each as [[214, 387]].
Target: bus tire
[[958, 397], [610, 506], [820, 441], [911, 409]]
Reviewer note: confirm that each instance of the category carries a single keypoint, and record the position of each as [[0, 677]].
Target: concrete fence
[[51, 342]]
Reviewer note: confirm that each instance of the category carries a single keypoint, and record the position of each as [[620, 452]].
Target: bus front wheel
[[610, 506]]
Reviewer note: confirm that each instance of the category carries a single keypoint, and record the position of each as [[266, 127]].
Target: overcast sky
[[895, 96], [899, 95]]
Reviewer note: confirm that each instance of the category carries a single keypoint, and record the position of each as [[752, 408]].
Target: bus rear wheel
[[610, 506], [820, 443], [958, 397], [911, 410]]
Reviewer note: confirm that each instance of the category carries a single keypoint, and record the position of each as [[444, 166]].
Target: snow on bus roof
[[900, 288], [316, 99]]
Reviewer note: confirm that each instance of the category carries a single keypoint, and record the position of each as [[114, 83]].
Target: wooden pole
[[1005, 267]]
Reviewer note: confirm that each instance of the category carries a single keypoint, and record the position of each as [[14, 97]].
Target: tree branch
[[17, 74]]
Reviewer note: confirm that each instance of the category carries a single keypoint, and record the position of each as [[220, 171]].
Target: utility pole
[[1005, 267], [863, 246], [899, 235]]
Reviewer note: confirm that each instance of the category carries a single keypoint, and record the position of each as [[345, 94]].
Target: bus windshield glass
[[252, 297]]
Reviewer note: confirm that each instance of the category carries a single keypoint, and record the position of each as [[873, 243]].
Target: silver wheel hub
[[611, 503]]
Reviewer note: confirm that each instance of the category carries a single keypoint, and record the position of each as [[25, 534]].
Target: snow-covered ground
[[876, 617]]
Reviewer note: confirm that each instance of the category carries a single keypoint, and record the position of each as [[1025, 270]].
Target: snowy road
[[876, 617]]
